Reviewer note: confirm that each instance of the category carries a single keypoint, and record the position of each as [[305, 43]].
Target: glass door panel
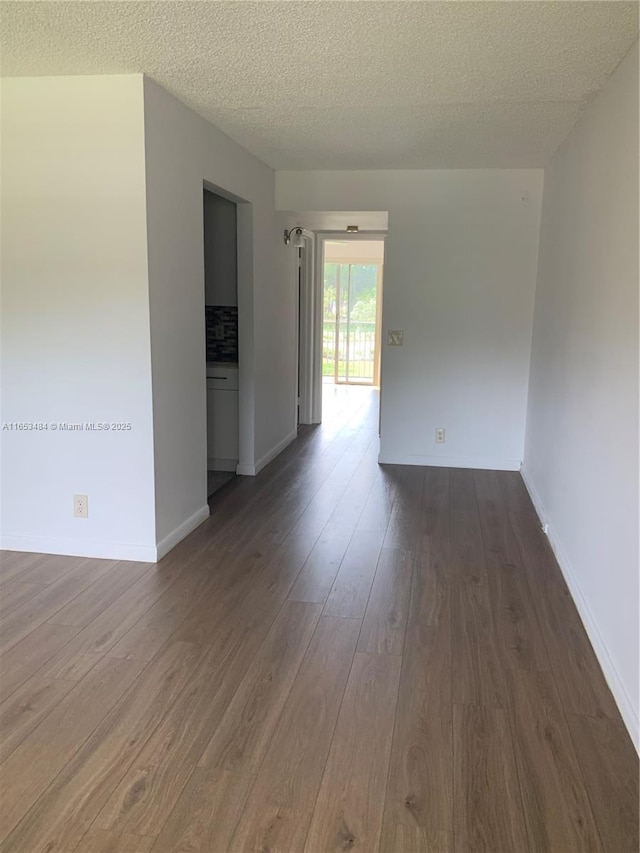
[[350, 321]]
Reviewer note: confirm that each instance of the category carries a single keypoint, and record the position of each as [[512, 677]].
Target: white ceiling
[[343, 85]]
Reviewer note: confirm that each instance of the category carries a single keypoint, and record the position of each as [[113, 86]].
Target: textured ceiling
[[344, 85]]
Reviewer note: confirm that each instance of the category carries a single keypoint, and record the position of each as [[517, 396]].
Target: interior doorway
[[220, 239], [352, 275]]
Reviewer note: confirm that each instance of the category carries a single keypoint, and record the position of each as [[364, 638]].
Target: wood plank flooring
[[346, 656]]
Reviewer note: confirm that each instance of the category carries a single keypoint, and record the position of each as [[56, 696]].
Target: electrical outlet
[[80, 506], [395, 338], [440, 433]]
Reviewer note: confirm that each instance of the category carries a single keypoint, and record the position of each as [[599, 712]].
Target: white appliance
[[222, 417]]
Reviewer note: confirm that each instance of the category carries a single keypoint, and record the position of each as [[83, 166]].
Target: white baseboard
[[181, 531], [252, 470], [105, 550], [486, 463], [246, 470], [609, 669], [80, 548], [222, 464]]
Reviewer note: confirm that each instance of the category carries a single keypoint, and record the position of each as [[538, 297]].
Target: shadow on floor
[[216, 480]]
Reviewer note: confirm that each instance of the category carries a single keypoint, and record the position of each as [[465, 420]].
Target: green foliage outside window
[[354, 287]]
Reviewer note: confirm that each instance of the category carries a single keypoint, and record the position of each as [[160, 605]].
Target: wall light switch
[[395, 338]]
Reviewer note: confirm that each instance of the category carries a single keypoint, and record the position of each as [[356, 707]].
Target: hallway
[[345, 656]]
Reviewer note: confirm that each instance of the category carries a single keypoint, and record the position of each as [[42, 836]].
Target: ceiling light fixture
[[294, 236], [352, 229]]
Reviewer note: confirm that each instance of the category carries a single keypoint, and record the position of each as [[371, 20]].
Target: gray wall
[[220, 250]]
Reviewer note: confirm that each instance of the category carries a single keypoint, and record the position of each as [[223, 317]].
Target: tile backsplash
[[222, 333]]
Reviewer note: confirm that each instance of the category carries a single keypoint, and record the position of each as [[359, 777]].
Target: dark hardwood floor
[[346, 656]]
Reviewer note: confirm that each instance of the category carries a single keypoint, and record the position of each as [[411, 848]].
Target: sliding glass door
[[350, 328]]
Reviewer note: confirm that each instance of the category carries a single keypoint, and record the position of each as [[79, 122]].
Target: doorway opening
[[352, 274], [339, 322], [220, 221]]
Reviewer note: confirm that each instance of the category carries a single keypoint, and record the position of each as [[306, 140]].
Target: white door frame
[[321, 237], [305, 348]]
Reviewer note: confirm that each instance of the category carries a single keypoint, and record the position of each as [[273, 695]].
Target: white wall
[[581, 458], [75, 316], [103, 312], [338, 220], [460, 270], [343, 250], [182, 151]]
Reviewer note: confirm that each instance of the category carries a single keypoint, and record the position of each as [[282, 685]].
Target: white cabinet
[[222, 418]]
